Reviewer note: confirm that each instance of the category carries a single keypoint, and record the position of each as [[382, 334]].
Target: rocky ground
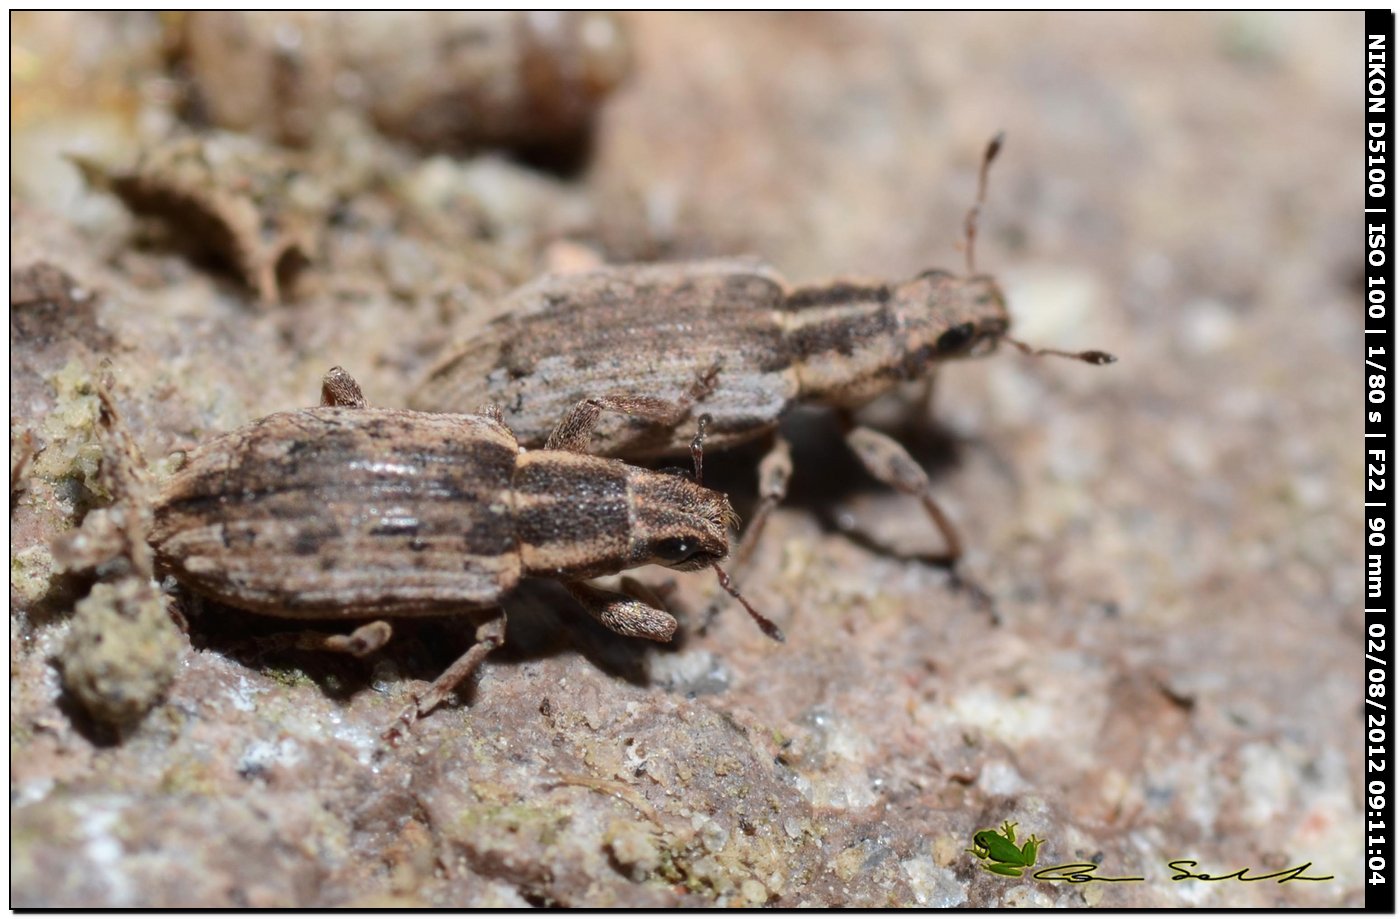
[[1171, 543]]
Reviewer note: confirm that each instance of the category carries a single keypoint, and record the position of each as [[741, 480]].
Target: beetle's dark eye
[[955, 339], [675, 550]]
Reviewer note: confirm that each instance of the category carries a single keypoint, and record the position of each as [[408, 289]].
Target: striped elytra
[[655, 329], [353, 512]]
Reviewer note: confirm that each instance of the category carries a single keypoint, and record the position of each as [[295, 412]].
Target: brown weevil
[[732, 340], [349, 512]]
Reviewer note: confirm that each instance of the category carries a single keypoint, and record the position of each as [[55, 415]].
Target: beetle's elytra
[[346, 511], [361, 511]]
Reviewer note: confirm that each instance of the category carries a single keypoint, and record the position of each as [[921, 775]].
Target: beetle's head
[[677, 523], [947, 317], [952, 316]]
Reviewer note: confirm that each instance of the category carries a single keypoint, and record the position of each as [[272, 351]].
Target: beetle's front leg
[[623, 614], [774, 474], [574, 430]]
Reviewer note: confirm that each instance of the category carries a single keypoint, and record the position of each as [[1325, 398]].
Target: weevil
[[439, 80], [344, 511], [732, 340]]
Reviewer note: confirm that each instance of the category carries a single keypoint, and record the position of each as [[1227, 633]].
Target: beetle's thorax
[[572, 514], [578, 516], [852, 342]]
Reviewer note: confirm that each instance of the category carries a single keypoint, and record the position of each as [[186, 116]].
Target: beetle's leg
[[624, 615], [490, 635], [774, 474], [887, 461], [884, 458], [365, 640], [574, 430], [701, 386], [340, 388], [646, 594]]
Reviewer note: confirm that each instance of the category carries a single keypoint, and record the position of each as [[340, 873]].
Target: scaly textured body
[[655, 330], [355, 512], [346, 511]]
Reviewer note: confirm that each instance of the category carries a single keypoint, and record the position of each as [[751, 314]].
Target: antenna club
[[993, 148]]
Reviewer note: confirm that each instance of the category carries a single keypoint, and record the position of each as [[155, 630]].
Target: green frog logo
[[999, 853]]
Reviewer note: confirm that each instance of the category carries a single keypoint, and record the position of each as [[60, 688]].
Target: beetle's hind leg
[[363, 641], [490, 635]]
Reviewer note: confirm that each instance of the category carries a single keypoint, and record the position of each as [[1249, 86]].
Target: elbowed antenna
[[767, 625]]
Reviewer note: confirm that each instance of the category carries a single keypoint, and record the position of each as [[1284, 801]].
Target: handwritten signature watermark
[[998, 852]]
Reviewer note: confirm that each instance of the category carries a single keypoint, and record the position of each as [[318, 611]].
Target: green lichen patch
[[123, 651], [72, 446], [31, 574]]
